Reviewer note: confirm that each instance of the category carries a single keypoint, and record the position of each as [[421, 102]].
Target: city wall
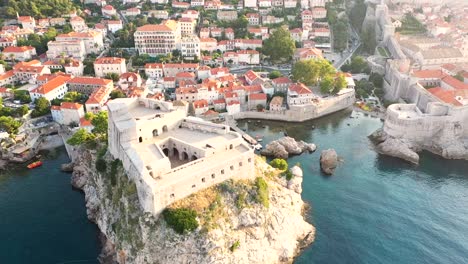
[[300, 113]]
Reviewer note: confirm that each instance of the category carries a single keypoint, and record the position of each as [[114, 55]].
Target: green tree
[[9, 124], [22, 95], [80, 137], [339, 83], [117, 94], [326, 84], [21, 111], [74, 97], [182, 220], [274, 74], [340, 35], [311, 71], [280, 164], [113, 76], [279, 46], [99, 121], [42, 107]]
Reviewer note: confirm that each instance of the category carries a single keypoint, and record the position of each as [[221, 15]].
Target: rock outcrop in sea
[[395, 147], [229, 214], [328, 161], [287, 146]]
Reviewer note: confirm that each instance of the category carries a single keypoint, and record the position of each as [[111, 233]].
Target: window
[[240, 164], [203, 179], [213, 176], [172, 195], [232, 167], [193, 186], [222, 171], [250, 160]]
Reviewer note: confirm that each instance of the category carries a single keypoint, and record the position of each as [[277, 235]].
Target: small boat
[[257, 147], [35, 164]]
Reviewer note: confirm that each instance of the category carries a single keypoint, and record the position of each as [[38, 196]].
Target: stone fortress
[[169, 155], [420, 120]]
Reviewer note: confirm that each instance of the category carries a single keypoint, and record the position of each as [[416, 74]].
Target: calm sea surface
[[374, 209], [42, 219]]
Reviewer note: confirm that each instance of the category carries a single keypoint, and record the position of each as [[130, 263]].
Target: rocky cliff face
[[234, 226], [408, 150]]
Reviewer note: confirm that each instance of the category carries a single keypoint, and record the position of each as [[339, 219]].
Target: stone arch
[[164, 129], [175, 152], [140, 139], [194, 157], [184, 156], [155, 133], [230, 146], [166, 152]]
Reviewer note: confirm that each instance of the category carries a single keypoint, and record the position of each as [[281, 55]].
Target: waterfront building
[[154, 141]]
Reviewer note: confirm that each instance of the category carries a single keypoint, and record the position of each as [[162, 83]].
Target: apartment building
[[159, 39], [107, 65]]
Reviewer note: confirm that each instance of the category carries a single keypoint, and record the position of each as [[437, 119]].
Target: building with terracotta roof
[[93, 40], [187, 26], [27, 72], [68, 113], [129, 79], [208, 44], [74, 48], [200, 107], [78, 24], [114, 25], [22, 53], [257, 99], [307, 54], [108, 11], [27, 22], [171, 69], [97, 100], [276, 104], [159, 39], [154, 70], [193, 14], [87, 85], [107, 65], [190, 47], [52, 89], [252, 78], [7, 78], [86, 124], [299, 94], [281, 84], [7, 41]]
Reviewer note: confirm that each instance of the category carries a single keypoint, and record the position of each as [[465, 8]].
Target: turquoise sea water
[[42, 219], [376, 209]]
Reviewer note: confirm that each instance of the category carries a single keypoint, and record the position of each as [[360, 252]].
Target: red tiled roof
[[85, 122], [425, 74], [281, 80], [109, 60], [258, 96], [52, 84], [14, 49], [90, 80], [300, 88], [98, 95], [447, 96], [200, 103], [219, 101], [70, 105], [455, 83]]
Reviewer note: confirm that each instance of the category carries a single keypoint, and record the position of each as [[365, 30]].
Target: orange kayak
[[34, 164]]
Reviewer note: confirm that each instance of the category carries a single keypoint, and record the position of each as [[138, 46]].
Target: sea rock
[[286, 146], [67, 167], [295, 183], [328, 161], [399, 149], [79, 177]]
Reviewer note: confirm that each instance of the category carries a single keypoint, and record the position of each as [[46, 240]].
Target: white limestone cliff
[[273, 234]]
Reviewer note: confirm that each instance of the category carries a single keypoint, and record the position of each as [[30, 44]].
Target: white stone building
[[57, 49], [106, 65], [190, 46], [155, 142], [159, 39]]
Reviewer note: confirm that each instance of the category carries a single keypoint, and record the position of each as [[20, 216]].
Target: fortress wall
[[237, 167], [305, 112]]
